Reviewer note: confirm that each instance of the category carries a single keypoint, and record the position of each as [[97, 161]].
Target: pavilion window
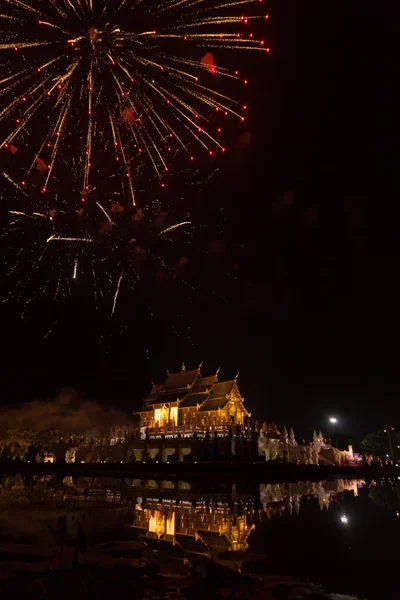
[[173, 415], [158, 416]]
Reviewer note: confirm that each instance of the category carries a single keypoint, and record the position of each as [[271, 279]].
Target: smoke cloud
[[68, 411]]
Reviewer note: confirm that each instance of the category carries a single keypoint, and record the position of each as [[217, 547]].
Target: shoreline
[[231, 470]]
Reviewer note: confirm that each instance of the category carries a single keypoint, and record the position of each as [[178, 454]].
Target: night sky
[[307, 213]]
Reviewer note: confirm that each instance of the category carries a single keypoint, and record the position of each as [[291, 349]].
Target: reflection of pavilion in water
[[276, 498], [180, 524], [197, 527]]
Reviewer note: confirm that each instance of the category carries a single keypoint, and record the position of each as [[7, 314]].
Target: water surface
[[92, 537]]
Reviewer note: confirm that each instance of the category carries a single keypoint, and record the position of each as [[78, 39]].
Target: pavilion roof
[[213, 404], [164, 546], [204, 384], [165, 398], [183, 380], [190, 544], [213, 539], [191, 389], [222, 389], [193, 400]]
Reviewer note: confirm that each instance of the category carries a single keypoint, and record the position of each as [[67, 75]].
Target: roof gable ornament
[[237, 376]]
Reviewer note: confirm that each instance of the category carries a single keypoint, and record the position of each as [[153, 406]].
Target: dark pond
[[100, 537]]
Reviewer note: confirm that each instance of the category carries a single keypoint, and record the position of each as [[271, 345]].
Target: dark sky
[[310, 212]]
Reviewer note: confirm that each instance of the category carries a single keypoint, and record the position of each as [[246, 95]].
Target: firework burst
[[89, 83], [54, 258], [100, 102]]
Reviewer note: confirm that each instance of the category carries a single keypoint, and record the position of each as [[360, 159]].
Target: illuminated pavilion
[[188, 399]]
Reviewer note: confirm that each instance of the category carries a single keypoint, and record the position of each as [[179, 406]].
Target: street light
[[333, 421]]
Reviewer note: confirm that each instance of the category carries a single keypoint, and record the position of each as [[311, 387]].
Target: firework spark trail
[[75, 268], [104, 211], [116, 294], [172, 227], [55, 238]]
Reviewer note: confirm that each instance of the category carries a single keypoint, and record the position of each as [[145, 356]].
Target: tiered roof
[[191, 389], [179, 381], [219, 396]]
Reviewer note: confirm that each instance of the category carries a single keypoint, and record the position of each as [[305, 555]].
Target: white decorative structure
[[70, 455], [286, 449]]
